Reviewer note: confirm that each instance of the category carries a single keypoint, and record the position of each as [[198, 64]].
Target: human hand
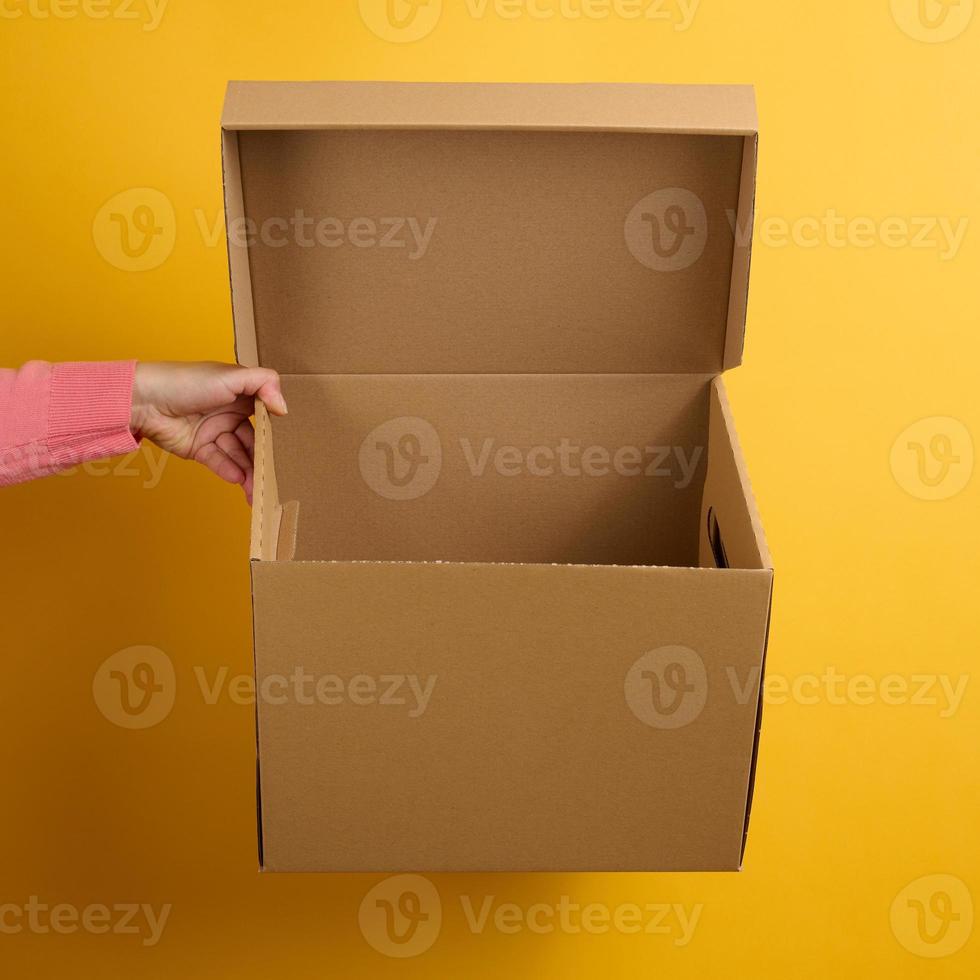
[[201, 411]]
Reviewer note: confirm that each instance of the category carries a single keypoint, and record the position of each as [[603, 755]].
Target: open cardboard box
[[511, 592]]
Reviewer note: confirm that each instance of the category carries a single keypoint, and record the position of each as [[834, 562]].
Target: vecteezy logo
[[933, 458], [401, 916], [401, 459], [135, 687], [401, 21], [668, 230], [136, 230], [933, 21], [933, 916], [667, 687]]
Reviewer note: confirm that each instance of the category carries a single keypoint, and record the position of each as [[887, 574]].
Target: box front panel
[[491, 717]]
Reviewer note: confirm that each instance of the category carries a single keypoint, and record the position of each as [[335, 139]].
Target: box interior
[[568, 469]]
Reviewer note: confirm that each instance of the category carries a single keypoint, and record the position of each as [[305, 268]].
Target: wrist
[[137, 408]]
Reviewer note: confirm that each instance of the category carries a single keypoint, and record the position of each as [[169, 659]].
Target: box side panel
[[243, 313], [758, 728], [731, 534], [742, 256], [505, 718], [641, 108]]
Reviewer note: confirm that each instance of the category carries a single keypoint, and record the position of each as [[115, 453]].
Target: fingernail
[[282, 404]]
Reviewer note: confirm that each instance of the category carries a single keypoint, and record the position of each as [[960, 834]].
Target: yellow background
[[846, 347]]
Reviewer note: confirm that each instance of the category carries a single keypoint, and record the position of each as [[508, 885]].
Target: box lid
[[385, 227]]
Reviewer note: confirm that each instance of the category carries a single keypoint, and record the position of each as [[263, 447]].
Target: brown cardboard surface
[[527, 755], [725, 109], [238, 258], [595, 704], [531, 207], [508, 251], [594, 469], [728, 492], [266, 511], [742, 255]]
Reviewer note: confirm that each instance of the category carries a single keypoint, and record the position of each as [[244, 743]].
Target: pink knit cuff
[[89, 411]]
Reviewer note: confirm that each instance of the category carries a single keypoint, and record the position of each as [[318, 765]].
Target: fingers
[[262, 383], [239, 447], [230, 445], [246, 436], [219, 463]]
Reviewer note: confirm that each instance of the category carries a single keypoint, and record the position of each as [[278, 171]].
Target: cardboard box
[[511, 592]]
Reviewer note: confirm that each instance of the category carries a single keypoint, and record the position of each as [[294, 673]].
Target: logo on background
[[401, 459], [667, 687], [933, 458], [933, 21], [401, 21], [401, 916], [933, 916], [135, 230], [668, 230], [135, 687]]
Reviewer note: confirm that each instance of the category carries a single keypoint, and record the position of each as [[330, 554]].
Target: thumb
[[262, 383]]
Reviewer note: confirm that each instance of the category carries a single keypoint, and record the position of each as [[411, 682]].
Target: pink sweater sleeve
[[54, 416]]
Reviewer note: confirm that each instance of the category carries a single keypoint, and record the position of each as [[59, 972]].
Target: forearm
[[55, 416]]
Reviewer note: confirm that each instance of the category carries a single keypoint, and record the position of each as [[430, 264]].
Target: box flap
[[488, 228]]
